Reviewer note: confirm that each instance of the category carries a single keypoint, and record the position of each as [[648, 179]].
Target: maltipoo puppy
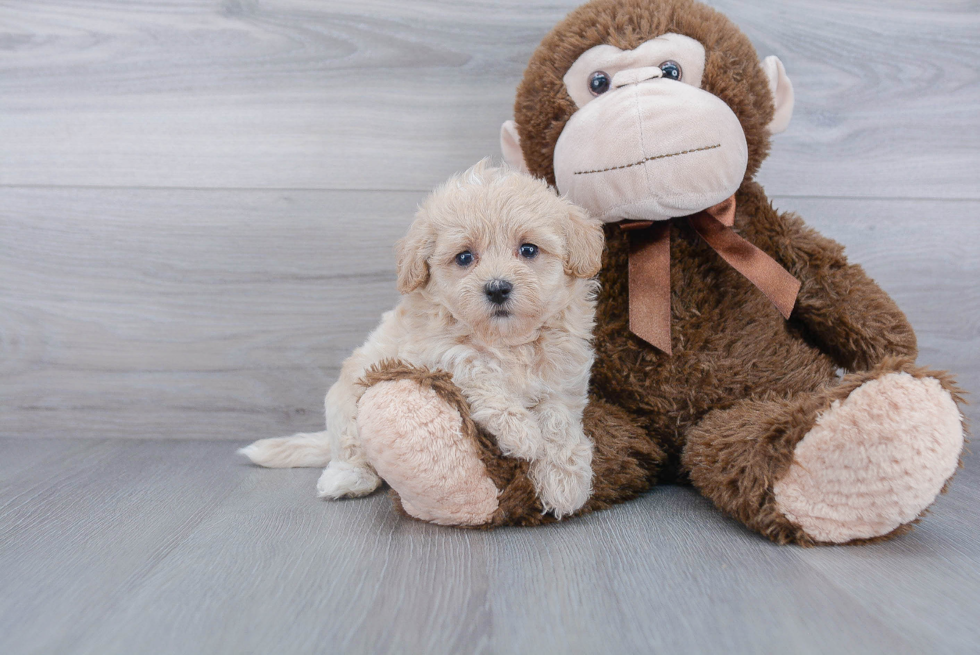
[[497, 276]]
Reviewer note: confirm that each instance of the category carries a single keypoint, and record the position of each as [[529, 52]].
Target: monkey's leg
[[849, 462], [416, 430]]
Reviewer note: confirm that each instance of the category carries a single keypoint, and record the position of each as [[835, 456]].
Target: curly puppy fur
[[521, 359]]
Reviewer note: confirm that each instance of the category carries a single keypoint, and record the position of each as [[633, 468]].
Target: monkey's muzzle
[[652, 151]]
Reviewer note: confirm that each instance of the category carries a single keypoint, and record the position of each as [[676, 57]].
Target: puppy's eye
[[528, 250], [599, 82], [464, 258], [671, 70]]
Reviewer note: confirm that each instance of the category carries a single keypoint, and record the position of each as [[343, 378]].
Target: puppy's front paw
[[518, 435], [564, 487], [342, 479]]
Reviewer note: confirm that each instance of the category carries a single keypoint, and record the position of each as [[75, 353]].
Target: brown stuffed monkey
[[722, 323]]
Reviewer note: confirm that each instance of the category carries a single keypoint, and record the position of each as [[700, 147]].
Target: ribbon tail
[[649, 284], [763, 271]]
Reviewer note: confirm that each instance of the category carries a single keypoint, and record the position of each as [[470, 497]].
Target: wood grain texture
[[387, 94], [179, 547], [77, 533], [186, 314], [226, 314]]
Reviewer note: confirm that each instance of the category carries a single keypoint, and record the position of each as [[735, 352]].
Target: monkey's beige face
[[646, 141], [500, 256]]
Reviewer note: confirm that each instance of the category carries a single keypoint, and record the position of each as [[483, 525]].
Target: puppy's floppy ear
[[583, 243], [413, 252]]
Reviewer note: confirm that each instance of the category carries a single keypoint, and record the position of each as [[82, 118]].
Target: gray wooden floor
[[122, 546], [197, 206]]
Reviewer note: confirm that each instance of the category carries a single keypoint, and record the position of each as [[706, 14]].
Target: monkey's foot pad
[[415, 441], [874, 461]]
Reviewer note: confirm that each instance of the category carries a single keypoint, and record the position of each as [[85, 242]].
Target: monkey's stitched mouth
[[646, 159]]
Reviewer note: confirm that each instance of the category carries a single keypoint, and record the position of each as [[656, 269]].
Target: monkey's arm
[[839, 306]]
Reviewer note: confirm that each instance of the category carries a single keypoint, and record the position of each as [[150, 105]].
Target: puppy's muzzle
[[498, 291]]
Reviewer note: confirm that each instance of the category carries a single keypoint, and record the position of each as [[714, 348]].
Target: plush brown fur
[[729, 341], [625, 463], [743, 385]]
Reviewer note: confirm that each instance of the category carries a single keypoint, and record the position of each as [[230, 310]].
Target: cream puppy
[[496, 272]]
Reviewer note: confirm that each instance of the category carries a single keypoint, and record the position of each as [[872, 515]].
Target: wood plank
[[186, 314], [226, 314], [927, 583], [177, 547], [76, 534], [21, 455], [278, 570], [668, 573], [395, 95]]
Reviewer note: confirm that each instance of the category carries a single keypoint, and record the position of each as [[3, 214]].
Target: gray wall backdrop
[[198, 200]]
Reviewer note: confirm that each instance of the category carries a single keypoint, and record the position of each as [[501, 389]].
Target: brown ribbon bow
[[649, 269]]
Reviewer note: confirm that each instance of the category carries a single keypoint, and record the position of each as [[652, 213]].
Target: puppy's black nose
[[498, 291]]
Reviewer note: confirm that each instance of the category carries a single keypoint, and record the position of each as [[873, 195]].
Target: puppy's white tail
[[303, 449]]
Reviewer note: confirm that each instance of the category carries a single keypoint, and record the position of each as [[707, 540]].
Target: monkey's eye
[[671, 70], [599, 83], [464, 258], [528, 250]]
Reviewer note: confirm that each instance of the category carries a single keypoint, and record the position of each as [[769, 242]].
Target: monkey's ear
[[782, 93], [583, 244], [510, 145], [413, 252]]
